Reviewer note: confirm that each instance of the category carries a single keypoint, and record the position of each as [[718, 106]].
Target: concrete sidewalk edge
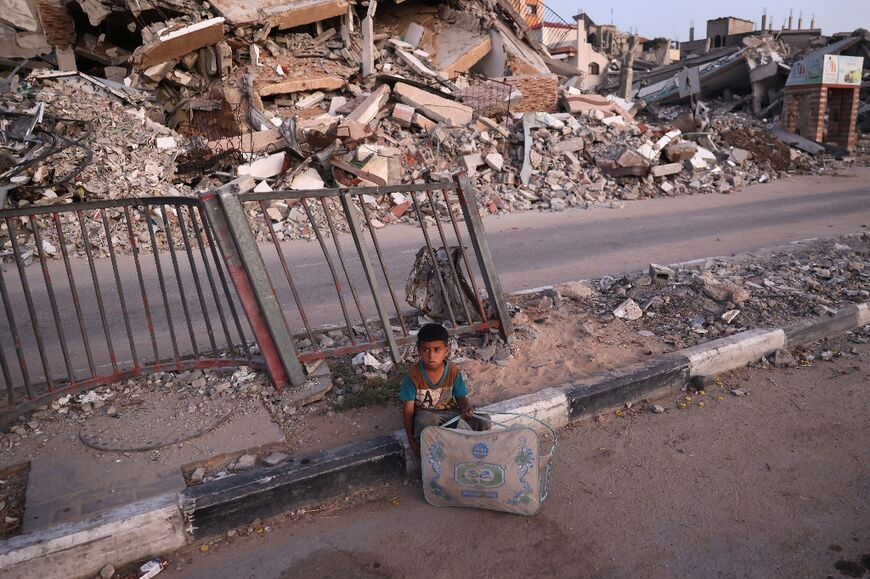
[[169, 522]]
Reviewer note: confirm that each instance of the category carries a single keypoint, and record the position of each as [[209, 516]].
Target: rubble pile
[[687, 305], [182, 98]]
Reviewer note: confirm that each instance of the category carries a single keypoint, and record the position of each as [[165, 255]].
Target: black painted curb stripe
[[808, 331], [630, 383], [219, 505]]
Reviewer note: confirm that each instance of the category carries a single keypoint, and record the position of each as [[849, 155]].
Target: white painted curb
[[735, 351], [134, 531]]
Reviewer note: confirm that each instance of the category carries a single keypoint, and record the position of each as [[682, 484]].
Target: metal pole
[[362, 250], [233, 261], [468, 202], [261, 284]]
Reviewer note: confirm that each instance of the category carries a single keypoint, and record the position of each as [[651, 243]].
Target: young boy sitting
[[433, 391]]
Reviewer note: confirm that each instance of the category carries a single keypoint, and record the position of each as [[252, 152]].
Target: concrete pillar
[[691, 34], [368, 46], [790, 17], [764, 21]]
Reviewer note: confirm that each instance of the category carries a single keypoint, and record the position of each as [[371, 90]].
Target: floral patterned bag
[[500, 469]]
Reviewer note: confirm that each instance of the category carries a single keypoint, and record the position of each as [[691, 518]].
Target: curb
[[134, 531], [169, 522]]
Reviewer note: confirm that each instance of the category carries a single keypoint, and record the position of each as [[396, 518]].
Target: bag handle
[[515, 415]]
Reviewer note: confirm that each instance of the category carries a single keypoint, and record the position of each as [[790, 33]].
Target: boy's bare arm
[[408, 421], [465, 407]]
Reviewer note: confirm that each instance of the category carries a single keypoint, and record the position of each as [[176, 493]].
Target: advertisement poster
[[829, 69]]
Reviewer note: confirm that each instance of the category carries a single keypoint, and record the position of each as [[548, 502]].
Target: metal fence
[[138, 288], [133, 286], [362, 279]]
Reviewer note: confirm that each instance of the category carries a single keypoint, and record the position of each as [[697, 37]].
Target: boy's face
[[433, 354]]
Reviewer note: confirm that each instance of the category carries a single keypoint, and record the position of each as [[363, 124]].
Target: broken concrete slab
[[177, 43], [459, 49], [307, 180], [330, 83], [472, 162], [415, 63], [414, 34], [495, 161], [371, 106], [280, 13], [264, 168], [437, 108], [311, 100], [665, 170]]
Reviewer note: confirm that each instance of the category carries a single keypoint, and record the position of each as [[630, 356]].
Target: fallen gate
[[153, 284]]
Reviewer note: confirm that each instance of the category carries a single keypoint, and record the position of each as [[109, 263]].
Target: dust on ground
[[773, 478], [566, 334]]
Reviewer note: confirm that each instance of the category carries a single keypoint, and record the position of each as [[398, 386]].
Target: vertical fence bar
[[195, 271], [331, 266], [468, 202], [49, 288], [75, 294], [155, 250], [10, 392], [434, 259], [184, 308], [208, 228], [459, 289], [149, 321], [338, 251], [205, 265], [28, 298], [362, 250], [296, 298], [16, 337], [471, 277], [383, 265], [124, 313], [99, 295]]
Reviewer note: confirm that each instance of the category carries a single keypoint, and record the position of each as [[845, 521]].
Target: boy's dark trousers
[[424, 418]]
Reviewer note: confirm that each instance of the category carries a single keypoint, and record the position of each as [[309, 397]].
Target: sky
[[672, 18]]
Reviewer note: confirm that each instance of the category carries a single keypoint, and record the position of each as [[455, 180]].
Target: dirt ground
[[774, 483], [147, 429]]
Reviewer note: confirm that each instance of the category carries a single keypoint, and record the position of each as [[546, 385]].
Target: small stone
[[575, 290], [628, 310], [107, 572], [827, 355], [275, 458], [657, 409], [111, 411], [198, 475], [784, 359], [739, 392], [244, 462]]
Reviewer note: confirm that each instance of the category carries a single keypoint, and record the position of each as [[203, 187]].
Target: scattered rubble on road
[[562, 334]]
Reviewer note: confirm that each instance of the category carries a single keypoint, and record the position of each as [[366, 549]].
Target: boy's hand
[[468, 412]]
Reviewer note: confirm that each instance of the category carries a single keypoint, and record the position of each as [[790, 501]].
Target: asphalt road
[[772, 484], [529, 250]]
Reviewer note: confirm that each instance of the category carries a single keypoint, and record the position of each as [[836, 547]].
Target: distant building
[[729, 31]]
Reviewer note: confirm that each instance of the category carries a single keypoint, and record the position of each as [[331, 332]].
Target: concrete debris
[[699, 301], [292, 94], [628, 310]]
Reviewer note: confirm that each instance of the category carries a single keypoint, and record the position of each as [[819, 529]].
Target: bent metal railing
[[138, 288], [98, 292]]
